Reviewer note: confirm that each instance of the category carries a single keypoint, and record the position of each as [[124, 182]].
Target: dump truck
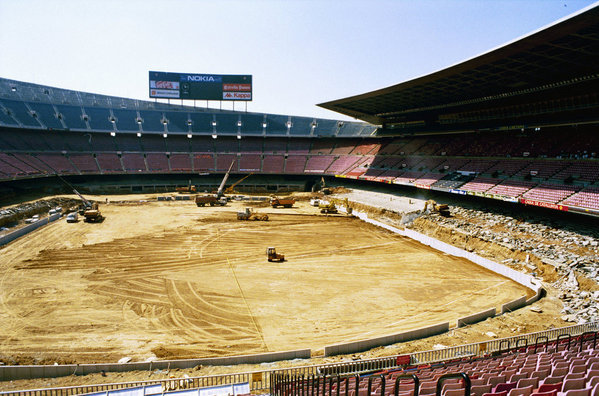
[[210, 199], [284, 202], [249, 214], [272, 255]]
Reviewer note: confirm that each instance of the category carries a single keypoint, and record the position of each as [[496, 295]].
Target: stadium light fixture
[[138, 134], [164, 135], [139, 121], [214, 123], [112, 134], [239, 124], [189, 136], [238, 137], [214, 136], [189, 122], [289, 124], [264, 125], [13, 88]]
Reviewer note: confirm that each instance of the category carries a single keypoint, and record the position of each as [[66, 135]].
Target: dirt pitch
[[171, 280]]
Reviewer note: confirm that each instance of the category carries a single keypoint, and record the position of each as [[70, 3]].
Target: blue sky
[[300, 52]]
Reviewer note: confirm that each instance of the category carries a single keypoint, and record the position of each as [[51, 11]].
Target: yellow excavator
[[230, 189], [442, 209]]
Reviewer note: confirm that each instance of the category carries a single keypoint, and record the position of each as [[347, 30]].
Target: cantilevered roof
[[552, 63]]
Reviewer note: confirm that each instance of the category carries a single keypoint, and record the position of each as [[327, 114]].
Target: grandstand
[[519, 124]]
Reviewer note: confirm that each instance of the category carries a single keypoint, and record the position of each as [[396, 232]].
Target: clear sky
[[300, 52]]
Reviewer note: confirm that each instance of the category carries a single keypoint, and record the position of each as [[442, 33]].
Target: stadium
[[461, 256]]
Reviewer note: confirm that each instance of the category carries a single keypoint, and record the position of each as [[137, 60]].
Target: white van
[[72, 217]]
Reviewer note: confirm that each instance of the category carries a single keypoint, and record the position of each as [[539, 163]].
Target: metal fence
[[433, 356], [260, 380]]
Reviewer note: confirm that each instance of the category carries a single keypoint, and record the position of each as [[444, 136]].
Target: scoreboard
[[200, 86]]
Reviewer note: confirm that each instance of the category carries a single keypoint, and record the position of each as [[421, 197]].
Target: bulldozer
[[249, 214], [272, 255], [442, 209]]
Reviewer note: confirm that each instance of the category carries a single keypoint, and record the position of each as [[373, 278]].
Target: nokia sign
[[200, 86], [201, 78]]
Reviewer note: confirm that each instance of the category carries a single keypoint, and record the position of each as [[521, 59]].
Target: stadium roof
[[549, 77]]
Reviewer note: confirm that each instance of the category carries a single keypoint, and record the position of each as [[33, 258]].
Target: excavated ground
[[171, 280]]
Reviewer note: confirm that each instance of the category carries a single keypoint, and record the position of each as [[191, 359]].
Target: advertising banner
[[542, 204], [200, 86]]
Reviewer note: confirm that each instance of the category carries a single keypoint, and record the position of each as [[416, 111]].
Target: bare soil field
[[171, 280]]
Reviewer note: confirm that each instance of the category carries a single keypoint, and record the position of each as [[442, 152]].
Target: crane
[[91, 211], [220, 193]]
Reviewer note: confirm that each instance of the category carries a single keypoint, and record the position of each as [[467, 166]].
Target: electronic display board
[[200, 86]]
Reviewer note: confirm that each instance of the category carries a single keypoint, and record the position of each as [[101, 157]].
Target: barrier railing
[[258, 382], [570, 337], [474, 350]]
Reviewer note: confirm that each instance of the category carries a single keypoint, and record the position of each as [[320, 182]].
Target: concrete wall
[[513, 305], [363, 345], [28, 228], [27, 372], [477, 317]]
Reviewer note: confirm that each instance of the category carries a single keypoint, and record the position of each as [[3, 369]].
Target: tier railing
[[570, 338]]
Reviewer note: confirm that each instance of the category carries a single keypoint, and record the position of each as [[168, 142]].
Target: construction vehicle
[[442, 209], [345, 203], [231, 188], [210, 199], [284, 202], [92, 214], [187, 190], [249, 214], [90, 211], [328, 207], [217, 198], [272, 255], [324, 189]]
